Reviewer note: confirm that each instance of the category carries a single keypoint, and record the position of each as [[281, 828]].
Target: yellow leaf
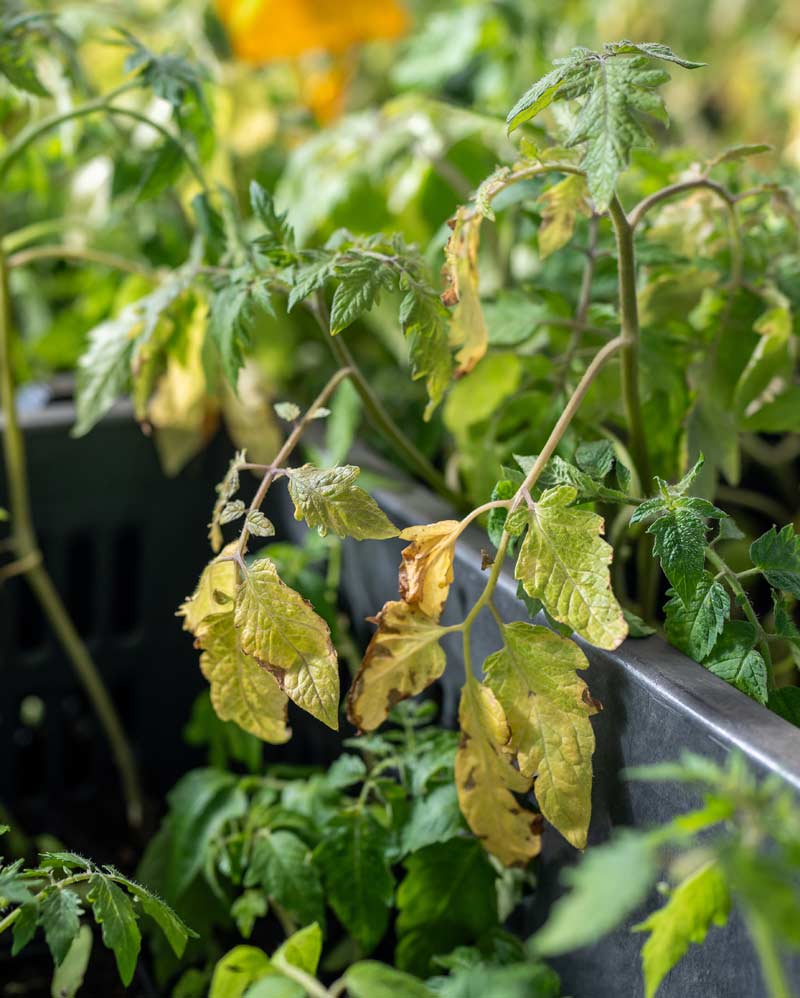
[[261, 30], [402, 659], [561, 204], [426, 569], [241, 690], [564, 563], [487, 781], [280, 629], [329, 499], [467, 325], [217, 585], [548, 707], [249, 416]]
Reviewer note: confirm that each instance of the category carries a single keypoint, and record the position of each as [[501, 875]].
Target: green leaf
[[161, 170], [16, 63], [786, 703], [345, 771], [777, 555], [596, 458], [237, 970], [359, 885], [302, 949], [702, 900], [61, 919], [369, 979], [280, 629], [447, 898], [114, 913], [734, 659], [423, 320], [13, 888], [331, 500], [528, 980], [68, 977], [200, 804], [564, 563], [357, 291], [637, 627], [610, 882], [275, 986], [175, 930], [694, 627], [273, 221], [310, 275], [772, 363], [617, 93], [25, 926], [680, 543], [434, 818], [739, 152], [280, 863], [548, 708], [247, 909]]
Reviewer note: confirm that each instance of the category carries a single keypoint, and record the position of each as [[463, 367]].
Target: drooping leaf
[[175, 930], [610, 882], [702, 900], [548, 707], [694, 627], [25, 926], [242, 690], [618, 87], [370, 979], [434, 818], [426, 571], [280, 862], [331, 500], [777, 554], [564, 563], [237, 970], [447, 898], [280, 629], [114, 913], [302, 949], [61, 920], [560, 205], [734, 659], [467, 325], [215, 590], [358, 881], [423, 320], [402, 659], [69, 976], [487, 781]]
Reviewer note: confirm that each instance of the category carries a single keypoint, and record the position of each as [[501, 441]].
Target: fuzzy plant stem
[[29, 563]]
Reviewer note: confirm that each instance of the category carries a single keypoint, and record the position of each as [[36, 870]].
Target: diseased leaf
[[564, 563], [702, 900], [402, 659], [61, 920], [467, 326], [548, 707], [777, 555], [331, 500], [217, 580], [114, 913], [280, 863], [242, 690], [734, 659], [694, 627], [447, 898], [359, 885], [590, 909], [560, 205], [280, 629], [487, 781], [426, 570]]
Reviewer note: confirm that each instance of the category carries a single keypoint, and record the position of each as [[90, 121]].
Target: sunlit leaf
[[468, 331], [331, 500], [426, 570]]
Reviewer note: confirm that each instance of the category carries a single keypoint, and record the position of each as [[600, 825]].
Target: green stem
[[771, 966], [380, 418], [76, 878], [311, 985], [741, 597], [26, 549], [85, 255]]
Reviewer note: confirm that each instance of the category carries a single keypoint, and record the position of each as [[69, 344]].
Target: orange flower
[[263, 30]]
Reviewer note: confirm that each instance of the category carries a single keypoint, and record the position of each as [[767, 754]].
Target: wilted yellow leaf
[[467, 325], [249, 416], [561, 204], [215, 590], [564, 563], [426, 569], [262, 30], [548, 707], [280, 629], [487, 781], [241, 690], [402, 659]]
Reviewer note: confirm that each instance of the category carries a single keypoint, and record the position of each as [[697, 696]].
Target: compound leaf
[[777, 555], [694, 627], [114, 913], [402, 659], [61, 920], [564, 563], [548, 707], [734, 659]]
